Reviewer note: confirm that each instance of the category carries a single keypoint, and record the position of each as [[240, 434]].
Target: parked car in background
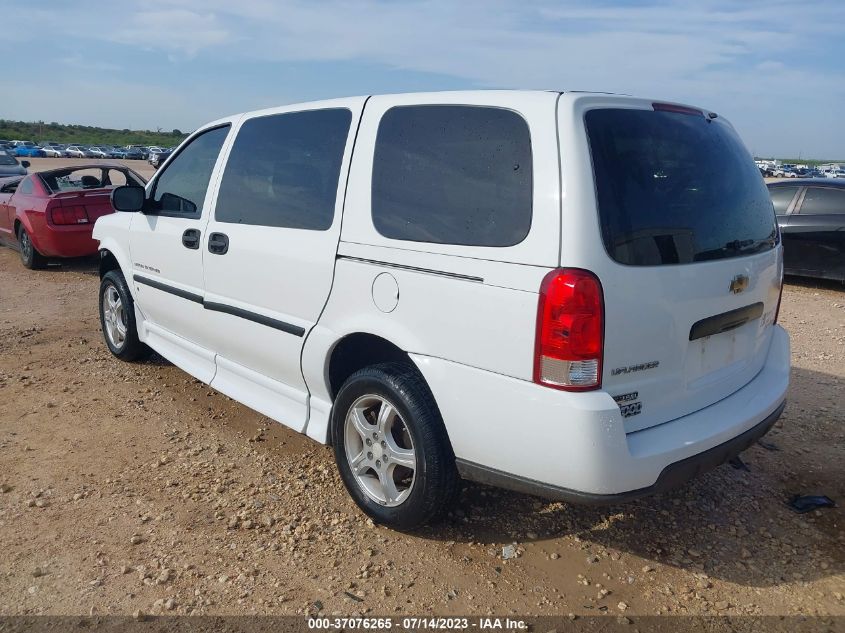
[[158, 158], [153, 152], [96, 151], [31, 151], [78, 151], [9, 165], [117, 152], [54, 151], [140, 150], [133, 154], [835, 173], [52, 213], [640, 308], [811, 215]]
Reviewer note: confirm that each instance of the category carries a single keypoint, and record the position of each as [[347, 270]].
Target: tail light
[[570, 331], [69, 215]]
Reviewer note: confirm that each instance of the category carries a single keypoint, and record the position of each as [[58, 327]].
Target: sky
[[774, 68]]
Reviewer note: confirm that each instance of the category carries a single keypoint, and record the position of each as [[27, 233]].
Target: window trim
[[793, 202], [455, 243], [153, 184], [340, 174]]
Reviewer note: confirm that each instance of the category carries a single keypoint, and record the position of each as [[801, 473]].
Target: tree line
[[85, 134]]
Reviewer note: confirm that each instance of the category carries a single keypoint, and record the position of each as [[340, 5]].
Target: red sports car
[[52, 213]]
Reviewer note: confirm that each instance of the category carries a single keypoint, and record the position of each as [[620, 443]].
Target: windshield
[[676, 188]]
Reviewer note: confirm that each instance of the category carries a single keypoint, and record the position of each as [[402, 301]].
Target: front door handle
[[218, 243], [191, 239]]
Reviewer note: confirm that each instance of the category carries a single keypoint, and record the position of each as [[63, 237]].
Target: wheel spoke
[[402, 456], [386, 415], [391, 492], [360, 423], [360, 464]]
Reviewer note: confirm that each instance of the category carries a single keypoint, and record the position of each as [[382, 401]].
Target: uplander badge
[[630, 369]]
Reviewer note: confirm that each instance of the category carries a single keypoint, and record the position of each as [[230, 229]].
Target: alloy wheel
[[379, 450]]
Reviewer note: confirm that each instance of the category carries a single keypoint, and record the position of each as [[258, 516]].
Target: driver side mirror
[[128, 198], [25, 164]]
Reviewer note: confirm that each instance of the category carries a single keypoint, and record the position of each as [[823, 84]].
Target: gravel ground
[[133, 487]]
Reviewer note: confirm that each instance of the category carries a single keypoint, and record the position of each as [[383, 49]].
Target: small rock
[[125, 569], [164, 576], [170, 604], [622, 606], [248, 524], [38, 572], [722, 605], [4, 488], [555, 556], [508, 552], [139, 615], [136, 539], [647, 569]]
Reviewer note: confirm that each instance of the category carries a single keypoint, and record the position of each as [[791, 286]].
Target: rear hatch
[[693, 286]]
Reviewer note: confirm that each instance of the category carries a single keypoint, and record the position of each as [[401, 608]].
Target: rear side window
[[676, 188], [824, 201], [782, 197], [26, 187], [453, 175], [283, 170]]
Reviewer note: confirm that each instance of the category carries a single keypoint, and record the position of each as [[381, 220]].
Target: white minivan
[[573, 295]]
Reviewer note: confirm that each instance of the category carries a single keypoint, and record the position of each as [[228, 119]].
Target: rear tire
[[391, 446], [30, 257], [117, 318]]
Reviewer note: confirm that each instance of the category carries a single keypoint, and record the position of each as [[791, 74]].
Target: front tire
[[391, 446], [30, 257], [117, 318]]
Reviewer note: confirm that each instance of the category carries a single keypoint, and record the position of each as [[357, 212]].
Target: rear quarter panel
[[475, 306]]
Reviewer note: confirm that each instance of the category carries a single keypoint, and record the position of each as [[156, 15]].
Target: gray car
[[9, 165]]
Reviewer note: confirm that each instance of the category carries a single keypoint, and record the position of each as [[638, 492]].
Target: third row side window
[[283, 170], [452, 174]]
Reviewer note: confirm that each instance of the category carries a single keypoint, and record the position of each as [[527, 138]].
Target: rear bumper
[[61, 241], [673, 476], [516, 434]]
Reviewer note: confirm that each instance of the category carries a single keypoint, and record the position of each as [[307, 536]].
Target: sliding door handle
[[191, 239]]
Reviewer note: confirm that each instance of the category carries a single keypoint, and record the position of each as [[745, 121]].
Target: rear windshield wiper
[[736, 247]]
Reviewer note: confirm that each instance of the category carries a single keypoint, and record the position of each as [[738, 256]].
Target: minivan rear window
[[676, 188]]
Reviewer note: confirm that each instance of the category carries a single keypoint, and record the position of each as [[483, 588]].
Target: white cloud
[[760, 62]]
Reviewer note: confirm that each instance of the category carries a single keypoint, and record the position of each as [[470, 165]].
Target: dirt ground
[[133, 487]]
